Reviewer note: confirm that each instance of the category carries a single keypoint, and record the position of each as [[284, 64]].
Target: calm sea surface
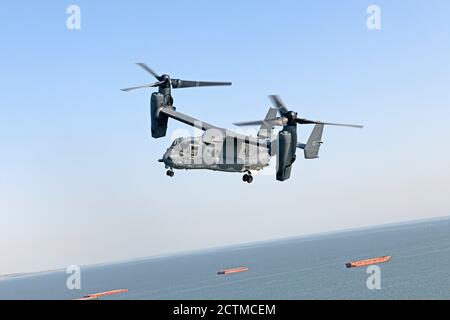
[[303, 268]]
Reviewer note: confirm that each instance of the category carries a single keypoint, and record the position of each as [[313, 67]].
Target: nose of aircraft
[[166, 159], [171, 158], [167, 156]]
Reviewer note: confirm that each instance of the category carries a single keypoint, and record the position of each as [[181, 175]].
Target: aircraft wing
[[206, 126], [188, 120]]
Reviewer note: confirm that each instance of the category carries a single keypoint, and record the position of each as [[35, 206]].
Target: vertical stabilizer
[[312, 148], [265, 131]]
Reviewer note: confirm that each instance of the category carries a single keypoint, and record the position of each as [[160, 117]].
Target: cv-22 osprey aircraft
[[225, 150]]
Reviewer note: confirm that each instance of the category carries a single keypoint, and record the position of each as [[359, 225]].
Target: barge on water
[[232, 271], [368, 262], [96, 296]]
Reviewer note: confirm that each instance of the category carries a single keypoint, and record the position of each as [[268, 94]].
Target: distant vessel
[[96, 296], [368, 262], [232, 271]]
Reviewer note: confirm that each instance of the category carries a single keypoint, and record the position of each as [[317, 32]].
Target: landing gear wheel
[[247, 178], [170, 173]]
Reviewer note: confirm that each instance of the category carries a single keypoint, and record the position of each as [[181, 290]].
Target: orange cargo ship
[[368, 262], [232, 271]]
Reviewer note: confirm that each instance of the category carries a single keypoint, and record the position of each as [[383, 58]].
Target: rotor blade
[[344, 125], [179, 84], [279, 104], [249, 123], [157, 84], [148, 69], [281, 121], [306, 121]]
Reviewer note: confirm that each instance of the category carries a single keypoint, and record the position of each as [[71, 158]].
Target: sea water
[[302, 268]]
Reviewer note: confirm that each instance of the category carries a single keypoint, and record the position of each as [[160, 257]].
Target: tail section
[[312, 148], [265, 131]]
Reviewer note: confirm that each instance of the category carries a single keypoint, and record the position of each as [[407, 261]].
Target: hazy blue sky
[[79, 181]]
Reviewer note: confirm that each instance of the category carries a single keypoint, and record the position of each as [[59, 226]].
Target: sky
[[79, 178]]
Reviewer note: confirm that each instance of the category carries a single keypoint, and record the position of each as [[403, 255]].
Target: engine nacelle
[[159, 121], [286, 155]]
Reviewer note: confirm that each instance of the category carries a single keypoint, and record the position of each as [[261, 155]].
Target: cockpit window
[[177, 142]]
